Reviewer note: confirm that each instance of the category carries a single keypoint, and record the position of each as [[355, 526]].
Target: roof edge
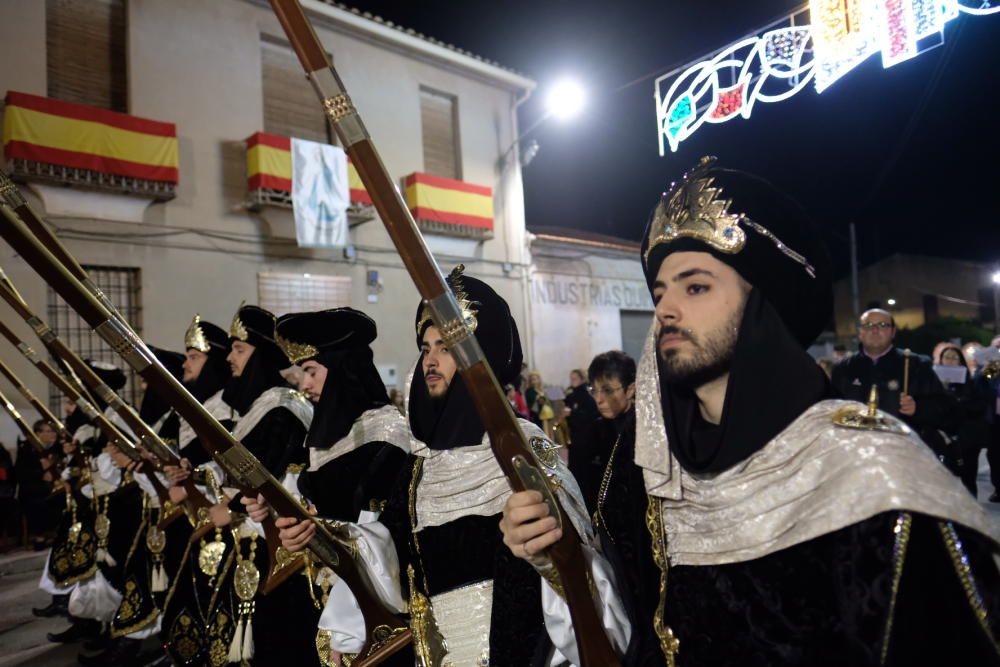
[[386, 31]]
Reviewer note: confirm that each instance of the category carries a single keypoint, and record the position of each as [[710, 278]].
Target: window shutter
[[283, 293], [290, 105], [440, 134], [85, 44]]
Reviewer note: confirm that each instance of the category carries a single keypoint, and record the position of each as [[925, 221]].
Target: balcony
[[448, 207], [64, 143], [269, 178]]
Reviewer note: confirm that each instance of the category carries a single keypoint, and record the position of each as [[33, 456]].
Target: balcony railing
[[449, 207], [73, 144], [269, 178]]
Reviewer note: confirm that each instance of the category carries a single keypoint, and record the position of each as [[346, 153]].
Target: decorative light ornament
[[780, 61]]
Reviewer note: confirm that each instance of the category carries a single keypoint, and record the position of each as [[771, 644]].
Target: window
[[291, 108], [85, 48], [439, 122], [123, 287], [283, 293]]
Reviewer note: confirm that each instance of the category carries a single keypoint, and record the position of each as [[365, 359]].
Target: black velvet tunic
[[466, 551], [359, 480], [827, 601]]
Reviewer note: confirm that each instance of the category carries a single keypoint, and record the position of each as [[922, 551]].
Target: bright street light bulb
[[996, 278], [891, 302], [566, 99]]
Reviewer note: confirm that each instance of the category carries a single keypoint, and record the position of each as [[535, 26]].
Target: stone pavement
[[22, 635]]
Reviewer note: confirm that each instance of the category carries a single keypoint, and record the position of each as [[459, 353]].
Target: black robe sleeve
[[356, 481], [277, 441]]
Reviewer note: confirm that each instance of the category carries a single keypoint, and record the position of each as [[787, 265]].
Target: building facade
[[222, 75]]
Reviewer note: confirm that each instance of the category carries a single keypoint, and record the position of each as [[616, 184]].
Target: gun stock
[[386, 632]]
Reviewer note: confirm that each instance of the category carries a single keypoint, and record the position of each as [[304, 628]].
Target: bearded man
[[796, 530]]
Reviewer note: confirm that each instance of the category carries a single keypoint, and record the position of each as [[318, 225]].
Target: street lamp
[[891, 302], [566, 99]]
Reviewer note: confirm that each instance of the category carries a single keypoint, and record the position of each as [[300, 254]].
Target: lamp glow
[[996, 277], [891, 302], [566, 99]]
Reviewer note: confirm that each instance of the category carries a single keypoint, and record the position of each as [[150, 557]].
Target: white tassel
[[160, 581], [104, 557], [237, 643], [248, 639]]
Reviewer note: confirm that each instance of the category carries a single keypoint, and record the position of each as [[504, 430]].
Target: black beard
[[712, 357]]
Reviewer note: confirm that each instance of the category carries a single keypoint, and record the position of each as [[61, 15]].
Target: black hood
[[338, 339], [746, 223], [153, 405], [452, 421]]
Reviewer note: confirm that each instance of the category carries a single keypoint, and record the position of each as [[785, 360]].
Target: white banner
[[320, 194]]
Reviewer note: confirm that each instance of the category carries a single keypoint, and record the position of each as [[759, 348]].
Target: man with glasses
[[917, 397]]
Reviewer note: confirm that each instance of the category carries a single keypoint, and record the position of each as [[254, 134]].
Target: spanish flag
[[269, 167], [443, 200], [77, 136]]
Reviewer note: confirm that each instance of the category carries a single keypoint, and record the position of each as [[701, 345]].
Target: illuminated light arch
[[788, 55]]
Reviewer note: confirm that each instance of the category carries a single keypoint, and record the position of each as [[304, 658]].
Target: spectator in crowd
[[826, 365], [34, 480], [539, 406], [515, 404], [396, 398], [969, 351], [989, 375], [968, 431], [612, 381], [579, 410], [9, 515], [908, 388]]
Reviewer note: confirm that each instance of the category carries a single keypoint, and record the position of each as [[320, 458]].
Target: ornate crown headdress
[[237, 329], [295, 352], [195, 338], [454, 281], [694, 208]]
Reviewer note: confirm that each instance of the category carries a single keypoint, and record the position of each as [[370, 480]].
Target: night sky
[[909, 153]]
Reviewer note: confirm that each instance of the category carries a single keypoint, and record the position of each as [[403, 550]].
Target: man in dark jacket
[[916, 395]]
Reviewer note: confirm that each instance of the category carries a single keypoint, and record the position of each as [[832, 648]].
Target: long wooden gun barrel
[[150, 440], [33, 401], [386, 633], [509, 447], [26, 431]]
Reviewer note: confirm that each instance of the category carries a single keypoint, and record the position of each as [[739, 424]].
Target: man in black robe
[[357, 441], [796, 530], [445, 553], [187, 638]]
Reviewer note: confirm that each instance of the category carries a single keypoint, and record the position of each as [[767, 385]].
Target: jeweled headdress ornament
[[694, 208], [237, 329], [194, 337], [295, 352], [454, 281]]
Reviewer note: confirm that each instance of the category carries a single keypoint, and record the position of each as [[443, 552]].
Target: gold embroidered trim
[[961, 563], [323, 638], [116, 632], [295, 352], [177, 575], [598, 518], [902, 530], [428, 643], [194, 337], [237, 329], [669, 644]]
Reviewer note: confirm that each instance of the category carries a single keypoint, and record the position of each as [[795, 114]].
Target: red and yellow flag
[[82, 137], [269, 166], [452, 202]]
